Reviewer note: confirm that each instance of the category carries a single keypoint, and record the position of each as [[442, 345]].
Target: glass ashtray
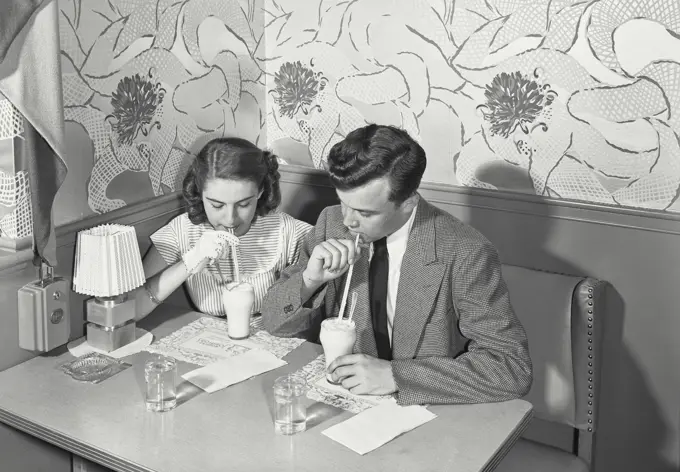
[[93, 367]]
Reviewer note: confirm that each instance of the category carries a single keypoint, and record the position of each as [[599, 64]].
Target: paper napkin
[[219, 375], [376, 426]]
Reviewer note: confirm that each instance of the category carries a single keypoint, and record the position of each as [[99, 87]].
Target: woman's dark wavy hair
[[376, 151], [232, 159]]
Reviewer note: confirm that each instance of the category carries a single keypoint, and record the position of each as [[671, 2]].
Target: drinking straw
[[217, 264], [347, 282], [352, 305], [237, 276]]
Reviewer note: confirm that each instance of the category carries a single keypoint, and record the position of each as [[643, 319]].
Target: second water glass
[[160, 373], [291, 408]]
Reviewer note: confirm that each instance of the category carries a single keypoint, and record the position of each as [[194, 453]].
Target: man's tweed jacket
[[456, 338]]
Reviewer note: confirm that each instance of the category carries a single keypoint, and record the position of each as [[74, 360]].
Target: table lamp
[[108, 265]]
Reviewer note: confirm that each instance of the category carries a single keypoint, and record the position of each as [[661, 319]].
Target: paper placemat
[[336, 395], [206, 341]]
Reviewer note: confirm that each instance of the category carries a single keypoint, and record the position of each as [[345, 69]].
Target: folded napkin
[[219, 375], [376, 426]]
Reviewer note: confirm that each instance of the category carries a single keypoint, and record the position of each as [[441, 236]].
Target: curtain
[[14, 14], [30, 78]]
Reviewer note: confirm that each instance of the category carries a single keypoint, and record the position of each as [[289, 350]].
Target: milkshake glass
[[238, 301], [337, 338]]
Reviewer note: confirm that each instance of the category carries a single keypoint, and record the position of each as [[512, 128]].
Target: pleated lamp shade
[[108, 262]]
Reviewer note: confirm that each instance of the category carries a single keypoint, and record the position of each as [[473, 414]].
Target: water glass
[[160, 373], [291, 408]]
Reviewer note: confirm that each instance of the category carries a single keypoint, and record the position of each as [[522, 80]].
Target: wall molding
[[16, 244], [518, 203], [66, 234], [440, 194], [132, 215]]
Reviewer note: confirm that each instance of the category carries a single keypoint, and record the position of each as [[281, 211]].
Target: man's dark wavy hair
[[232, 159], [376, 151]]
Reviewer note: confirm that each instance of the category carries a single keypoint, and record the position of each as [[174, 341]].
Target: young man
[[433, 318]]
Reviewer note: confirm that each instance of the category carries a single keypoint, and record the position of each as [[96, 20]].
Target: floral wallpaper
[[146, 84], [565, 98], [570, 99]]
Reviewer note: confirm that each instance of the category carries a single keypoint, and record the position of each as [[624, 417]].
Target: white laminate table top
[[232, 429]]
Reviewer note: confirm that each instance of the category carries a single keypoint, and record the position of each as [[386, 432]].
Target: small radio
[[44, 319]]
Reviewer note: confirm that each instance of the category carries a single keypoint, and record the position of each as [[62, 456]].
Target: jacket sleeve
[[495, 366], [284, 313]]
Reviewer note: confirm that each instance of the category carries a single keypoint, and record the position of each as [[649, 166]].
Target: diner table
[[232, 429]]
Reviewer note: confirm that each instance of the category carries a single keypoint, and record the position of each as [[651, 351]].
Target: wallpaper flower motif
[[134, 104], [514, 100], [296, 88]]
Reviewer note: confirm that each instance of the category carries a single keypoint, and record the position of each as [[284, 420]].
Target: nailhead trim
[[591, 385]]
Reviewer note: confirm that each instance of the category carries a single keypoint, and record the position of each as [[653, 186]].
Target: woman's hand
[[210, 246]]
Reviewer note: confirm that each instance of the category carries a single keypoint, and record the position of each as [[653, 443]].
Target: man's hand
[[329, 260], [362, 374]]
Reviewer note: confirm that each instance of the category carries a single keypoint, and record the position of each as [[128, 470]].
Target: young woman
[[231, 187]]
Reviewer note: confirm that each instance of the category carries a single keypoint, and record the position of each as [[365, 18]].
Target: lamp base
[[110, 311], [110, 338]]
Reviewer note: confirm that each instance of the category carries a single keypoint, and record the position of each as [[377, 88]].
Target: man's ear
[[410, 203]]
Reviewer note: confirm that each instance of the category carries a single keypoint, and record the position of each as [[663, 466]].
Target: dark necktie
[[377, 283]]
